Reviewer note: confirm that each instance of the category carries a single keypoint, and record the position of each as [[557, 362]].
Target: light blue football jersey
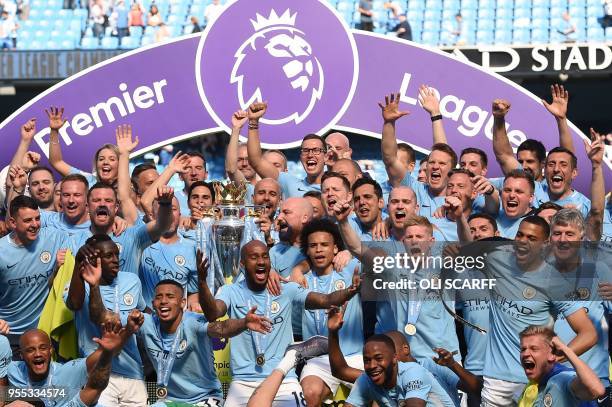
[[68, 377], [24, 276], [291, 186], [413, 381], [239, 298], [192, 376]]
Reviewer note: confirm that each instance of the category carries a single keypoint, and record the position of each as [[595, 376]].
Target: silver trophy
[[228, 228]]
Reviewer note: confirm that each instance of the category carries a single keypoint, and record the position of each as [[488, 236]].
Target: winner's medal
[[261, 360], [161, 392], [410, 329]]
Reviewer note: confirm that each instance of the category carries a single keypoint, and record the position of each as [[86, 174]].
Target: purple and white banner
[[315, 73]]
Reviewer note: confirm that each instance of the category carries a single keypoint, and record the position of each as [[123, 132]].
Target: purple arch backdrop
[[300, 57]]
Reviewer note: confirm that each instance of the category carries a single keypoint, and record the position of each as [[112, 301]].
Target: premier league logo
[[277, 44], [275, 51]]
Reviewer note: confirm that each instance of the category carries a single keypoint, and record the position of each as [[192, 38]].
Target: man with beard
[[312, 157], [179, 343], [521, 297], [516, 202], [451, 218], [38, 371], [103, 206], [440, 161], [555, 385], [560, 165], [267, 193], [40, 185], [27, 263], [321, 242], [390, 382], [580, 270], [295, 213], [97, 285], [171, 258], [253, 356]]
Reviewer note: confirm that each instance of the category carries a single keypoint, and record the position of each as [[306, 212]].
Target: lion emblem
[[294, 79]]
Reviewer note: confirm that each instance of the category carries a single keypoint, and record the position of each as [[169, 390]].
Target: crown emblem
[[274, 19], [232, 193]]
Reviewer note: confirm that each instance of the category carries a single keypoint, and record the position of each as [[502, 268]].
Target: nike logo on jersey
[[11, 266]]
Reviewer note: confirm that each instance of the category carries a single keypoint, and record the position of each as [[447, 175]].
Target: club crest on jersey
[[179, 260], [548, 400], [128, 299], [339, 285], [45, 257], [274, 307]]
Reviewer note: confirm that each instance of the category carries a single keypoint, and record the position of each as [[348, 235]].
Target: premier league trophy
[[228, 229]]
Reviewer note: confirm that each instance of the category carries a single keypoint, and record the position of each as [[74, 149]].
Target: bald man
[[338, 147], [348, 168], [286, 254], [267, 193], [37, 370]]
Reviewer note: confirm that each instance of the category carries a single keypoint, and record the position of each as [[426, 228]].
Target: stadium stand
[[483, 22]]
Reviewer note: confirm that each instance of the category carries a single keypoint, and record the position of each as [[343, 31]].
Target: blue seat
[[503, 36], [55, 4], [90, 43], [414, 15], [179, 10], [540, 23], [505, 4], [577, 12], [449, 14], [558, 3], [146, 41], [594, 11], [36, 45], [24, 35], [43, 24], [469, 5], [595, 34], [484, 13], [342, 6], [504, 13], [523, 4], [110, 43], [540, 12], [539, 35], [76, 24], [55, 34], [521, 36], [430, 38], [608, 31], [175, 19], [470, 13], [451, 5], [136, 31], [41, 34], [522, 13], [68, 44], [129, 42], [429, 25], [484, 37], [64, 14], [72, 34], [36, 14], [80, 13], [484, 25], [198, 11], [175, 30]]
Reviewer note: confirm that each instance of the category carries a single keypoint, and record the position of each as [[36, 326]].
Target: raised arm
[[56, 121], [126, 145], [390, 113], [164, 215], [468, 382], [484, 187], [262, 167], [316, 300], [342, 209], [232, 327], [594, 220], [586, 336], [28, 130], [431, 104], [239, 118], [558, 108], [501, 145], [76, 292], [16, 182], [211, 307], [339, 368], [586, 385], [177, 164]]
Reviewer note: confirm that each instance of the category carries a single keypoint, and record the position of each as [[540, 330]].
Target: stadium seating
[[484, 22]]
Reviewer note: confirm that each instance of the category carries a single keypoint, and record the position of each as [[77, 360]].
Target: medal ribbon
[[166, 360], [116, 305], [260, 340]]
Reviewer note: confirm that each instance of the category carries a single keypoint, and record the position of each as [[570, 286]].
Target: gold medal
[[161, 392], [410, 329], [261, 360]]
